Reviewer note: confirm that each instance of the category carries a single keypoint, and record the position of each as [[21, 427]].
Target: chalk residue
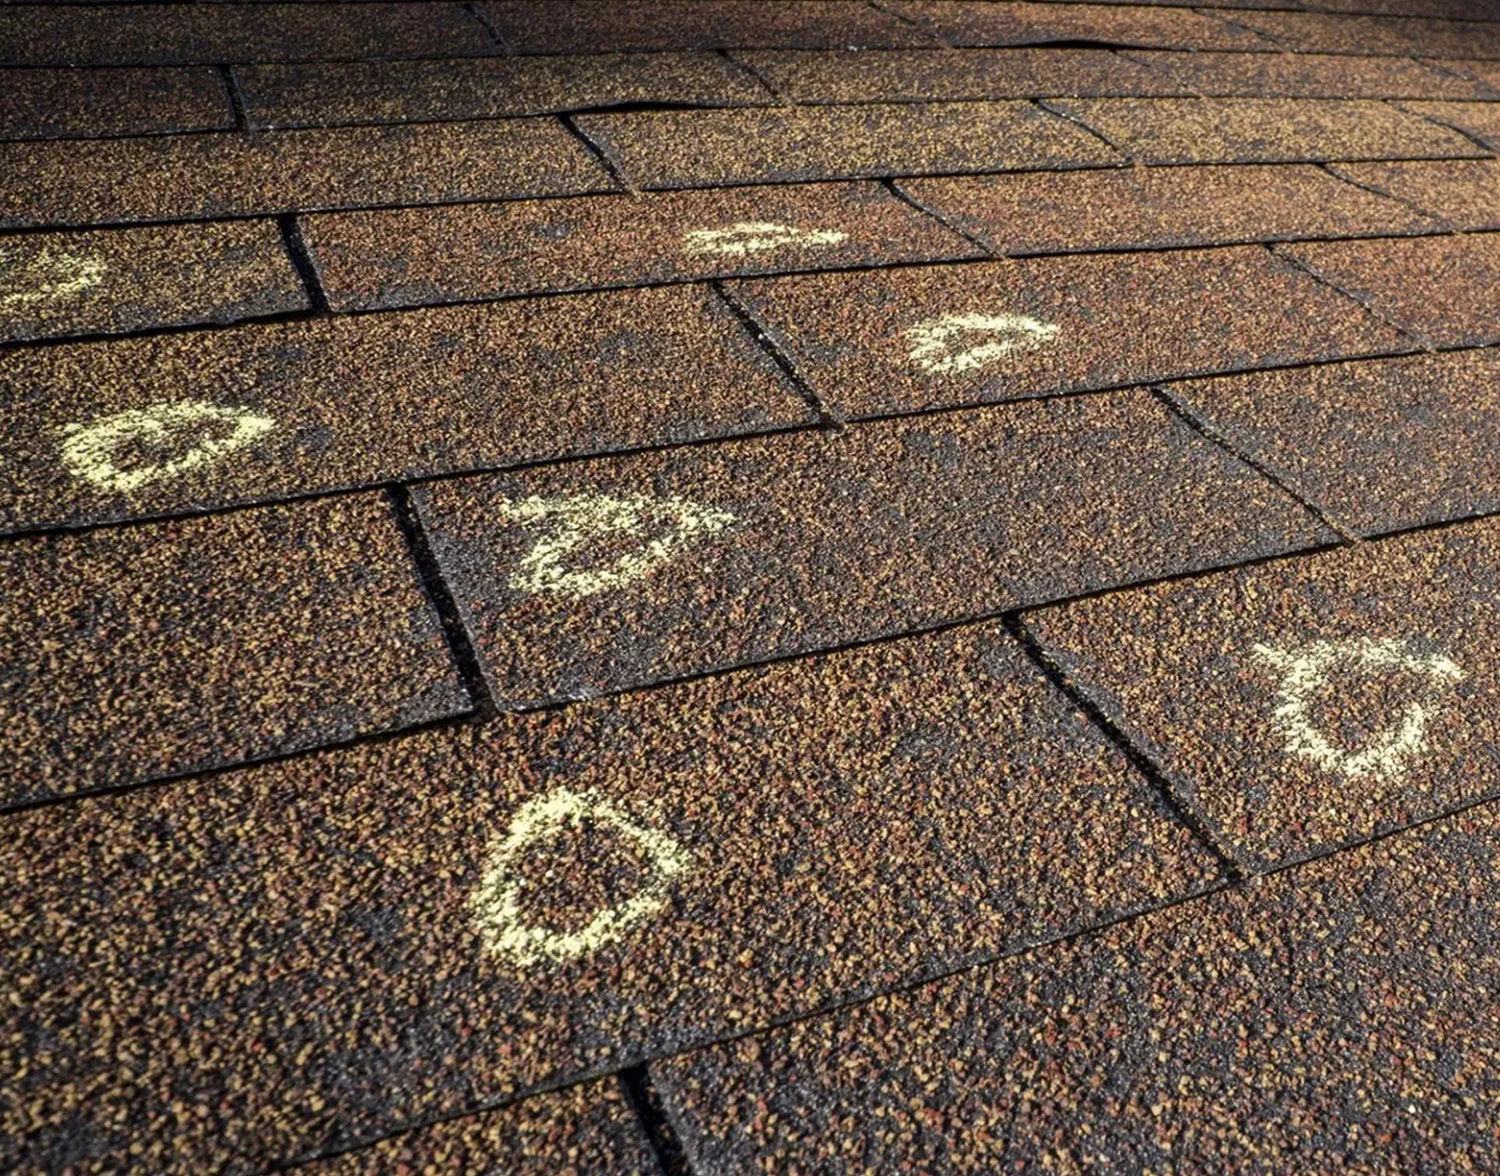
[[1305, 672], [496, 905], [48, 277], [957, 343], [93, 451], [580, 521], [746, 237]]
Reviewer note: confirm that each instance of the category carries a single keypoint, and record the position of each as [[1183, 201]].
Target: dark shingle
[[1311, 32], [70, 103], [1308, 75], [1463, 192], [993, 22]]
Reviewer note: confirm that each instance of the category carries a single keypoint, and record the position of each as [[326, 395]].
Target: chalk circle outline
[[1305, 671], [496, 903], [582, 517], [86, 273], [930, 343], [746, 237], [88, 449]]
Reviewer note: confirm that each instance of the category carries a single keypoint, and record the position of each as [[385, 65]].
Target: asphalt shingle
[[909, 339], [679, 149], [1133, 208], [326, 948], [1440, 289], [54, 284], [584, 1128], [377, 398], [1463, 192], [558, 26], [1336, 1018], [928, 75], [134, 654], [411, 256], [580, 580], [1380, 445], [1307, 704], [185, 34], [1263, 130], [1308, 75], [992, 22], [69, 103], [187, 177], [1479, 120], [327, 94], [1311, 32]]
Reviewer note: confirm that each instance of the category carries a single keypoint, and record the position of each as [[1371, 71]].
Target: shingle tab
[[330, 93], [559, 26], [584, 1128], [329, 947], [1478, 119], [1464, 192], [1308, 75], [186, 177], [1335, 1018], [1057, 212], [1263, 130], [1307, 704], [411, 256], [133, 654], [377, 398], [927, 75], [1381, 445], [1440, 289], [54, 284], [70, 103], [918, 338], [185, 34], [992, 22], [712, 147], [606, 576], [1485, 73], [1314, 32]]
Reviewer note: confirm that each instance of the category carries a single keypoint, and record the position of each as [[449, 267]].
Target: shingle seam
[[304, 262], [974, 236], [769, 340], [233, 93], [1478, 140], [1237, 448], [1289, 258], [1272, 41], [1332, 169], [909, 22], [782, 99], [643, 1098], [1161, 70], [1069, 116], [613, 167], [484, 22]]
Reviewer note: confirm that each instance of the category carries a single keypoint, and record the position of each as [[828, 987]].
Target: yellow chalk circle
[[496, 904], [584, 519], [746, 237], [47, 277], [93, 451], [1305, 673], [938, 345]]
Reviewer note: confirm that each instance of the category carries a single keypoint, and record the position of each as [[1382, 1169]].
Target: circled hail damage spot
[[132, 449]]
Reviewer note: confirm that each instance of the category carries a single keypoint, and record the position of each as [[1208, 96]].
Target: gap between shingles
[[1068, 116], [770, 87], [1433, 120], [643, 1098], [612, 166], [304, 263], [769, 340], [973, 236], [479, 18], [236, 96], [1290, 258]]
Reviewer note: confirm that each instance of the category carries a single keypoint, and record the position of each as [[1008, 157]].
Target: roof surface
[[722, 586]]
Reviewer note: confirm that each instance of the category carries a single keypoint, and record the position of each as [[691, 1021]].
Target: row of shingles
[[340, 890]]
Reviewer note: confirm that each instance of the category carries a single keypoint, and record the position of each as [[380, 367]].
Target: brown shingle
[[1479, 119], [584, 1128], [55, 284], [910, 339], [1306, 704], [172, 34], [710, 147], [1464, 192], [991, 22], [318, 950], [1061, 212], [931, 74], [1267, 130], [1338, 1018], [1441, 289], [1311, 32], [1485, 73], [134, 654], [610, 575], [1383, 444], [184, 177], [560, 26], [411, 256], [69, 103], [330, 93], [376, 398], [1308, 75]]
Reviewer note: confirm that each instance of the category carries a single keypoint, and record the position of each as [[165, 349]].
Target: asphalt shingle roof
[[706, 586]]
